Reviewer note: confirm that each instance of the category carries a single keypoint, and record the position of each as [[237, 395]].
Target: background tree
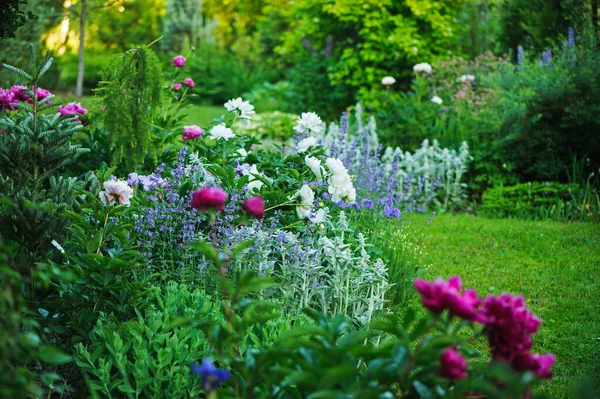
[[82, 10]]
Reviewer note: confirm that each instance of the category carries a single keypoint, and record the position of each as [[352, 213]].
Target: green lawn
[[202, 115], [556, 266]]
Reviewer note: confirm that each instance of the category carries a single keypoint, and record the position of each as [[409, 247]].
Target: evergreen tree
[[34, 146], [131, 91]]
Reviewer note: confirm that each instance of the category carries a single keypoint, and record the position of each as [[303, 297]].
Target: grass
[[556, 266], [202, 115]]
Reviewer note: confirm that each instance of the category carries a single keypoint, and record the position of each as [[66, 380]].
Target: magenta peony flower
[[7, 99], [72, 109], [41, 94], [509, 326], [441, 295], [189, 82], [177, 86], [209, 198], [540, 365], [453, 365], [19, 95], [179, 61], [255, 206], [191, 132]]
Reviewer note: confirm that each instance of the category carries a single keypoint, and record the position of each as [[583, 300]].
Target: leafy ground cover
[[554, 265]]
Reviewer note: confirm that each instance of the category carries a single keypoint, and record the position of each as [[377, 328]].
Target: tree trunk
[[81, 64]]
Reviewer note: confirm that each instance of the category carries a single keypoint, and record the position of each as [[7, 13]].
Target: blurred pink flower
[[177, 86], [453, 365], [189, 82], [179, 61]]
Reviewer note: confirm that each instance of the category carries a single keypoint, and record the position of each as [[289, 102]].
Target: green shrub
[[147, 356], [531, 201], [131, 92], [222, 74], [34, 148]]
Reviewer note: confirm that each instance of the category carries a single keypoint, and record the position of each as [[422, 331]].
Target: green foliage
[[224, 74], [184, 25], [95, 65], [550, 113], [313, 89], [537, 201], [16, 345], [146, 356], [35, 146], [107, 273], [371, 39], [131, 91], [535, 23], [12, 17], [14, 51]]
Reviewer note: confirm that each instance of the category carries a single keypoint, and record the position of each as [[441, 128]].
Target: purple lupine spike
[[520, 55], [571, 37]]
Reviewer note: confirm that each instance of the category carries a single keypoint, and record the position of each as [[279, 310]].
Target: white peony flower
[[116, 191], [254, 183], [221, 132], [242, 152], [307, 199], [309, 122], [307, 143], [437, 100], [423, 67], [314, 165], [244, 109], [320, 216], [466, 78], [340, 184], [388, 81]]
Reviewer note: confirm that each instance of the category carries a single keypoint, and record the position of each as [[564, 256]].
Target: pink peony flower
[[41, 94], [7, 99], [209, 198], [72, 109], [191, 132], [255, 206], [189, 82], [453, 365], [441, 295], [177, 86], [540, 365], [509, 325], [116, 191], [179, 61], [19, 95]]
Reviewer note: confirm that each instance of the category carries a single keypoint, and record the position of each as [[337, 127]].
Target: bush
[[532, 201], [146, 356], [224, 75]]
